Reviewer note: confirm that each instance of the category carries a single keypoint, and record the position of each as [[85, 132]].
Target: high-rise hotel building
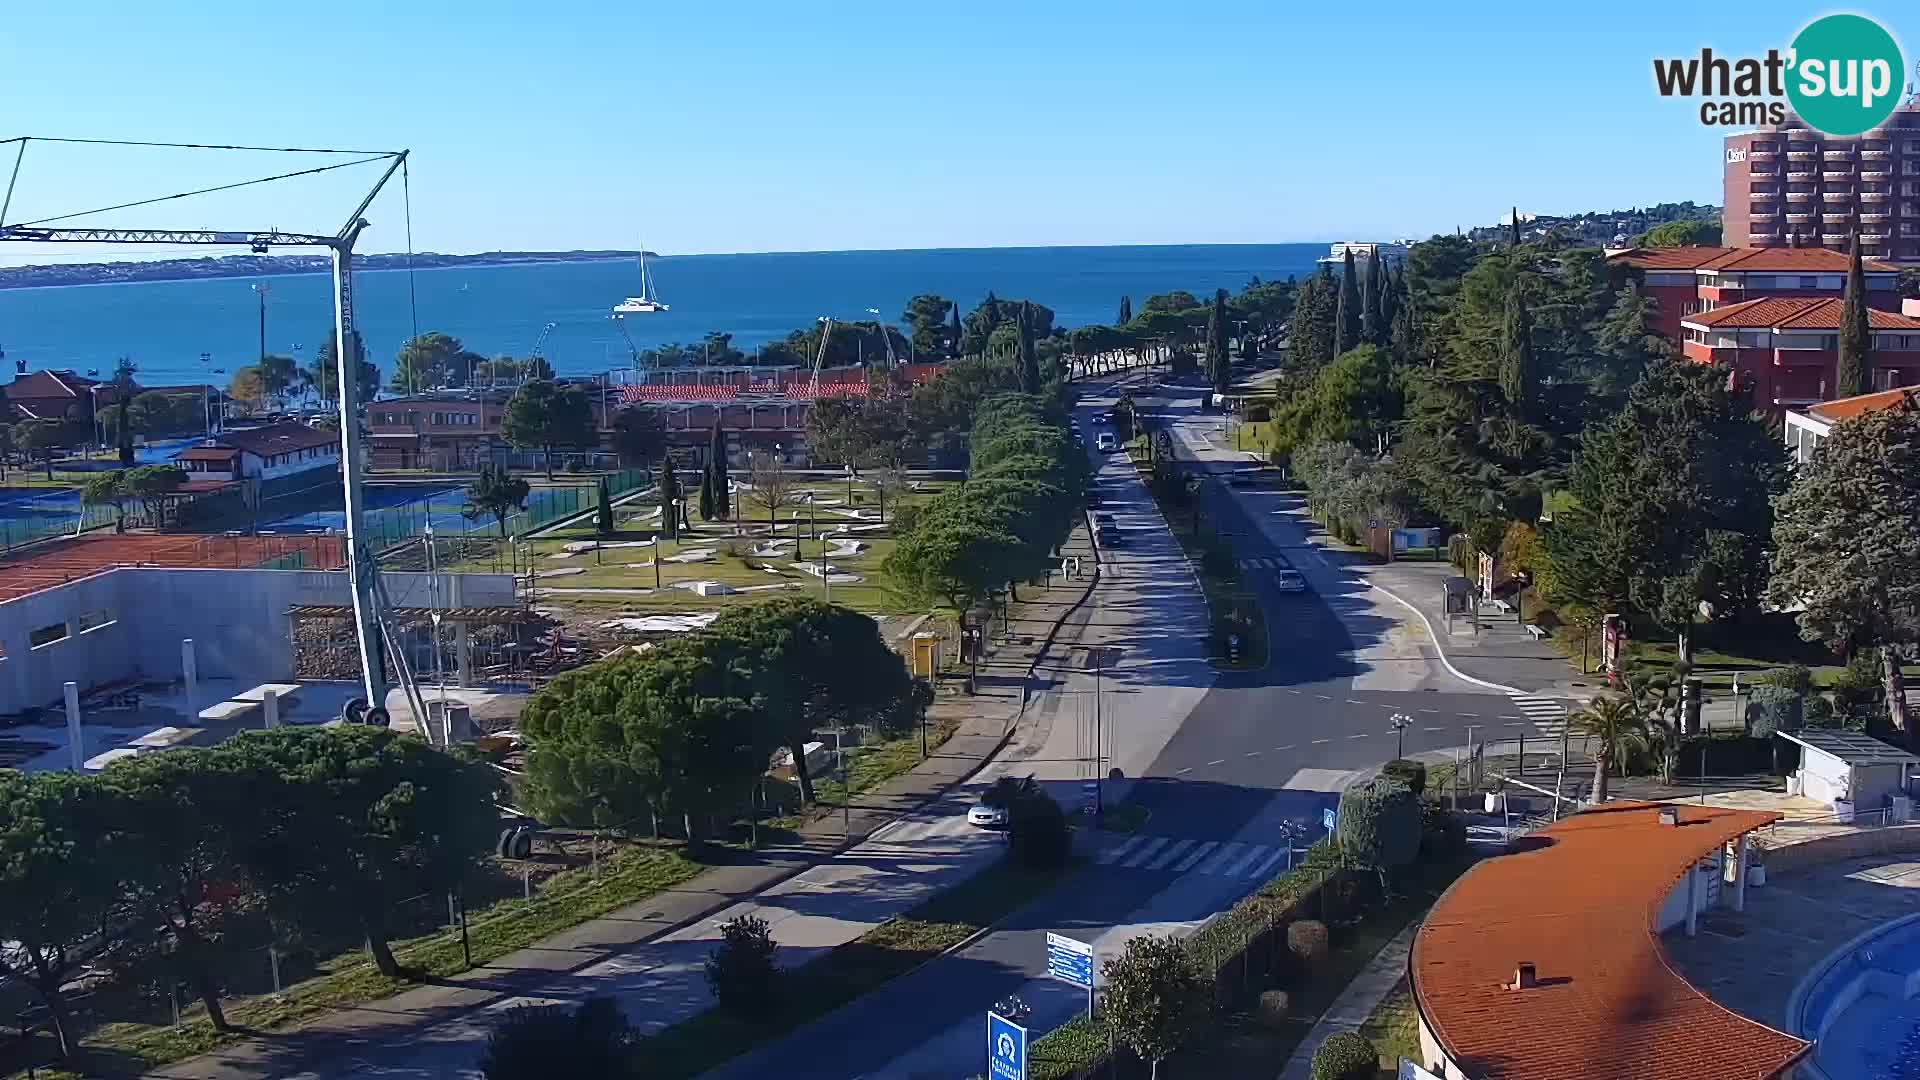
[[1789, 185]]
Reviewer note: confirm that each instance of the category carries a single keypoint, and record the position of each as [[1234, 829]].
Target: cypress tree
[[1217, 361], [1029, 357], [1373, 313], [669, 495], [722, 498], [1513, 229], [1516, 354], [1403, 342], [953, 332], [1391, 282], [1346, 322], [1856, 339], [709, 496], [1126, 311]]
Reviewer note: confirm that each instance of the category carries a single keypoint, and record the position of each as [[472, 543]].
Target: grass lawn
[[859, 967], [1394, 1029], [876, 763], [565, 900]]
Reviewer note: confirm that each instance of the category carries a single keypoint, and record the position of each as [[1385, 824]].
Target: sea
[[202, 330]]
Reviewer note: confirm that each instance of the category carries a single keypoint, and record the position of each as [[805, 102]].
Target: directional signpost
[[1071, 961], [1006, 1049]]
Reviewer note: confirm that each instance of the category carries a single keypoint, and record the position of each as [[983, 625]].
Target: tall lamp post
[[1401, 722], [261, 289]]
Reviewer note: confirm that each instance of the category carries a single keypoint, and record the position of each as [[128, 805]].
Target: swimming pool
[[1859, 1007]]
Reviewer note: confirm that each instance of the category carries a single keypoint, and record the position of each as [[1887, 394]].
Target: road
[[1221, 761]]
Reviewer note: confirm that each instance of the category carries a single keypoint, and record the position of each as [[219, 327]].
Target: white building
[[1807, 427], [1395, 254], [262, 454]]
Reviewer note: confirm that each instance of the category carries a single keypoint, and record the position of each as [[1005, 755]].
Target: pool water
[[1862, 1007]]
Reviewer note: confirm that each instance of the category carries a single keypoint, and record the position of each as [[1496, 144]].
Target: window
[[93, 620], [1809, 282], [1760, 281], [47, 635]]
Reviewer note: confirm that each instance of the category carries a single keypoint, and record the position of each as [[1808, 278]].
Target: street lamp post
[[1401, 722], [261, 289]]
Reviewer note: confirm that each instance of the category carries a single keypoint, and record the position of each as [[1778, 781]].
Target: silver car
[[1289, 581]]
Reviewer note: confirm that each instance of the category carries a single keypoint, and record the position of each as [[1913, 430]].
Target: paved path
[[1355, 1003], [909, 841]]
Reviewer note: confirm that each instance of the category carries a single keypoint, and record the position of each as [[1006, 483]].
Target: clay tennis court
[[47, 565]]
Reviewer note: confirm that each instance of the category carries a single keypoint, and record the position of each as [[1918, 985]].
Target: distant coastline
[[49, 275]]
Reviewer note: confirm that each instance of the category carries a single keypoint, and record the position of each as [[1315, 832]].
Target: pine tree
[[1516, 354], [1126, 311], [1347, 313], [1856, 339], [1373, 323]]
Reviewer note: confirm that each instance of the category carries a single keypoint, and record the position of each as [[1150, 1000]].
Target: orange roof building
[[1786, 349], [1688, 281], [1808, 427], [1546, 964]]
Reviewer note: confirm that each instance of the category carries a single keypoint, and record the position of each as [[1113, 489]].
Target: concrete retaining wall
[[129, 622], [1838, 847]]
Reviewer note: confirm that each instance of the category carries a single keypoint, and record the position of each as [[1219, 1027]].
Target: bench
[[1505, 608], [1536, 631]]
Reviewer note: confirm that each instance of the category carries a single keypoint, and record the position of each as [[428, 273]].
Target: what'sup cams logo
[[1842, 75]]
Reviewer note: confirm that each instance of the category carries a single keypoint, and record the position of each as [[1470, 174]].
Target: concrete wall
[[130, 622]]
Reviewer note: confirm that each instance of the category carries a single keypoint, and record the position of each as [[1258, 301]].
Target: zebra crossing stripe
[[1146, 852], [1221, 859], [1253, 856], [1193, 859], [1166, 858], [1267, 865], [1113, 854]]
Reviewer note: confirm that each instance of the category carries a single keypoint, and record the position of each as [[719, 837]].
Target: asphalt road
[[1247, 758]]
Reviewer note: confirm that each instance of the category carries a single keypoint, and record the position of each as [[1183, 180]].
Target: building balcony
[[1835, 237], [1881, 173], [1760, 235], [1799, 196], [1802, 217], [1837, 153], [1841, 196], [1876, 155], [1803, 155], [1875, 196], [1837, 176], [1879, 214], [1802, 358], [1763, 155], [1765, 215]]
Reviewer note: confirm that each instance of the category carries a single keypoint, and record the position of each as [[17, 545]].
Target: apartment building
[[1785, 350], [1790, 184]]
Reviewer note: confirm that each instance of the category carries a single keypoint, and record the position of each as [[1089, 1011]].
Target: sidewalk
[[437, 1027], [1356, 1002]]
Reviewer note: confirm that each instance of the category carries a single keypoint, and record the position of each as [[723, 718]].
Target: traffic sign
[[1006, 1049], [1327, 817], [1070, 960]]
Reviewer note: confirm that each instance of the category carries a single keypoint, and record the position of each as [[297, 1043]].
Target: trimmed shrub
[[1795, 677], [1771, 709], [1443, 832], [1273, 1008], [1345, 1056], [533, 1042], [741, 970], [1409, 772], [1308, 941], [1379, 824]]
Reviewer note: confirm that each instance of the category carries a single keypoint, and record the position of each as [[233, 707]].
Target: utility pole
[[261, 289]]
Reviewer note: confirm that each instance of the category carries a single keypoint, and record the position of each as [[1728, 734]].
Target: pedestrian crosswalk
[[912, 830], [1266, 562], [1547, 714], [1178, 855]]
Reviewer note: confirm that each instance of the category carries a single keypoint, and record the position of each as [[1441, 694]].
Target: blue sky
[[750, 126]]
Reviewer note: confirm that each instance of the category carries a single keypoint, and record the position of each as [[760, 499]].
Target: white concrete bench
[[1505, 608], [1536, 632]]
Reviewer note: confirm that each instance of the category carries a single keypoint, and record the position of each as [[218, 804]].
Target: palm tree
[[1615, 722]]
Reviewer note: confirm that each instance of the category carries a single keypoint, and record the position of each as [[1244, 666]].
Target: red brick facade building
[[1786, 349], [1686, 281], [1791, 184]]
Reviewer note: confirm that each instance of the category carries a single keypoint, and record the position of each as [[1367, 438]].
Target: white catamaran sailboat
[[646, 303]]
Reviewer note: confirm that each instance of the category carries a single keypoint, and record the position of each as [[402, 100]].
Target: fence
[[36, 519], [448, 514]]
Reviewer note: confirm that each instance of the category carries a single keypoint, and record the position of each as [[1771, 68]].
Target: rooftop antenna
[[362, 561]]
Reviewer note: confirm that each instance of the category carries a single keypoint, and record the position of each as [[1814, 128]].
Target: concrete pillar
[[75, 746], [191, 676], [270, 707], [1740, 876], [462, 644], [1693, 898]]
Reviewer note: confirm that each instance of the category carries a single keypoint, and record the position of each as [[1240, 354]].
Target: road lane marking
[[1319, 742], [1211, 764], [1183, 772], [1362, 735], [1470, 715], [1323, 697], [1430, 710], [1111, 855], [1165, 858], [1514, 723], [1251, 753], [1194, 856], [1422, 729], [1289, 746], [1146, 852]]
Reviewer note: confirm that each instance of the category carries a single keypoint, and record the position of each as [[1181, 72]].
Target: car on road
[[980, 815], [1107, 442], [1289, 581]]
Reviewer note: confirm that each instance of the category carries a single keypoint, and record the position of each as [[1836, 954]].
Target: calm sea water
[[165, 326]]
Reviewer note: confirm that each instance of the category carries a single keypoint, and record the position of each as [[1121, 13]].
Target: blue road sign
[[1327, 817], [1070, 960], [1006, 1049]]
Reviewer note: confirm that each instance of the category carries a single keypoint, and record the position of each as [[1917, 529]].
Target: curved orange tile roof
[[1581, 907]]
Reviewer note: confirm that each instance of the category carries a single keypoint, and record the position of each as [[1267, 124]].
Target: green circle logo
[[1846, 74]]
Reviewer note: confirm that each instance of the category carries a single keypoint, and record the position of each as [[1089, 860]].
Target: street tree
[[1844, 555], [351, 821], [926, 317], [44, 436], [496, 492], [639, 436], [1315, 334], [108, 489], [1027, 357], [1673, 505], [433, 361], [154, 487], [815, 666], [123, 390], [708, 512], [1156, 1000], [58, 893], [1218, 361], [324, 373], [1853, 373], [774, 488], [544, 414]]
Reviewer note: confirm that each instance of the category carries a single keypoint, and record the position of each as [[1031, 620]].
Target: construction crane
[[362, 561], [819, 358]]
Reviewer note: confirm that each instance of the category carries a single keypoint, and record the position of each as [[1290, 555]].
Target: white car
[[1289, 581], [987, 817], [1107, 442]]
